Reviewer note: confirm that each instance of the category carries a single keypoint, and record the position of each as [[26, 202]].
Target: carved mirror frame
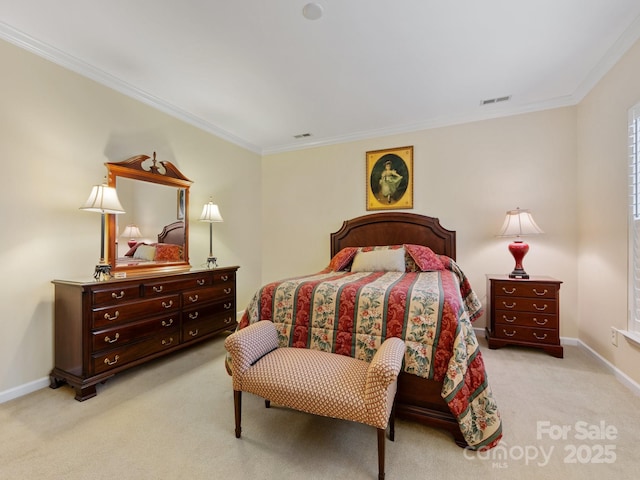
[[146, 169]]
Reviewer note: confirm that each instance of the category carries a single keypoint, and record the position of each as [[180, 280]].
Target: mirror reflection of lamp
[[132, 232], [518, 223], [211, 214], [103, 199]]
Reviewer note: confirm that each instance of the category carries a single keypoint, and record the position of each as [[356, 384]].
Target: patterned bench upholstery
[[316, 382]]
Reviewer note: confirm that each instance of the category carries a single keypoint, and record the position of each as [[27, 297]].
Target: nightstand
[[524, 312]]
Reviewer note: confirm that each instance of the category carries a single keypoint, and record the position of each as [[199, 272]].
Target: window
[[634, 223]]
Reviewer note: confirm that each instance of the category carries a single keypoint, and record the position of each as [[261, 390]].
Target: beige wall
[[466, 175], [603, 190], [567, 165], [57, 130]]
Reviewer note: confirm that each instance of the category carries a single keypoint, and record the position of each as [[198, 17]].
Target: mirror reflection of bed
[[168, 248]]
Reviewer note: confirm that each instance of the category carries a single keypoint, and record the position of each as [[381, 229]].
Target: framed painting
[[390, 179]]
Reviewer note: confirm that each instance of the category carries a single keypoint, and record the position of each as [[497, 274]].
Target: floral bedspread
[[352, 313]]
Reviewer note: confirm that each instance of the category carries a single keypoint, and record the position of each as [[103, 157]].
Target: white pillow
[[379, 261], [145, 252]]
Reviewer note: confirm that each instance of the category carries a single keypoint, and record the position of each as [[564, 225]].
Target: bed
[[394, 274], [168, 248]]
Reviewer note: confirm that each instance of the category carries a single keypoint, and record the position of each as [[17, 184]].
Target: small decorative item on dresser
[[524, 312], [518, 223], [211, 214]]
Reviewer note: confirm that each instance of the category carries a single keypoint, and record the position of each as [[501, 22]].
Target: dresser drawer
[[526, 319], [224, 277], [225, 306], [528, 289], [525, 304], [127, 312], [193, 329], [527, 334], [162, 287], [117, 294], [102, 362], [204, 295], [125, 333]]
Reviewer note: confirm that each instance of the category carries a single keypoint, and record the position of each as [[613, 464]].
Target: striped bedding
[[352, 313]]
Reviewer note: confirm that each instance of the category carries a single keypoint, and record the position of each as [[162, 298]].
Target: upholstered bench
[[316, 382]]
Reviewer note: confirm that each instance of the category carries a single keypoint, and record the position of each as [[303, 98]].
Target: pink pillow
[[425, 258], [342, 259]]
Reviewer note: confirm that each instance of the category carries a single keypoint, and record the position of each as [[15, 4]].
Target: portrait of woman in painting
[[389, 179]]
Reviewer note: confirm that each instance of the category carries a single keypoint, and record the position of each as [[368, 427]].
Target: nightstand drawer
[[525, 304], [526, 319], [527, 334], [528, 289]]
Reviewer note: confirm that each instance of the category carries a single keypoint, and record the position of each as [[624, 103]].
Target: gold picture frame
[[390, 179]]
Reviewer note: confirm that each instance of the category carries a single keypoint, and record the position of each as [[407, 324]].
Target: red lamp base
[[518, 249]]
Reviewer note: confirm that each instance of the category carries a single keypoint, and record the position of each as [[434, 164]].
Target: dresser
[[102, 328], [524, 312]]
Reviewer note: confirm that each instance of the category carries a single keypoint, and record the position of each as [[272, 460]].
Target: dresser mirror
[[153, 233]]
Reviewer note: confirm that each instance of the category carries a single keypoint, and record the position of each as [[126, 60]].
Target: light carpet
[[173, 419]]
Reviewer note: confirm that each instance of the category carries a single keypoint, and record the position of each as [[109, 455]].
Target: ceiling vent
[[302, 135], [491, 101]]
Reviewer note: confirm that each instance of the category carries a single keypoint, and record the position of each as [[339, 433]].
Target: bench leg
[[237, 406], [392, 423], [381, 438]]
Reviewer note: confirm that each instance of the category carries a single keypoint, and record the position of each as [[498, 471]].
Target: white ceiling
[[257, 73]]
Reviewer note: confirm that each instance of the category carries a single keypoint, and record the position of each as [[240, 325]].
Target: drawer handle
[[114, 340], [167, 343], [115, 360], [227, 306], [228, 320], [508, 292], [541, 322], [510, 320], [511, 305], [535, 334], [117, 296], [540, 294], [193, 299], [227, 291], [158, 289], [224, 278], [508, 334], [541, 309], [193, 315], [110, 318], [194, 334], [201, 281], [167, 305], [167, 324]]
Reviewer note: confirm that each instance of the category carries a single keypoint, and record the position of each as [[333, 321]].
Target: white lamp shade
[[131, 231], [103, 199], [518, 223], [211, 213]]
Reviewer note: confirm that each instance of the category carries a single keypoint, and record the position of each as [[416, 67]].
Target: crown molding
[[76, 65]]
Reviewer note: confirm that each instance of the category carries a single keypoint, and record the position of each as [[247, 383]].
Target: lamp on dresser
[[518, 223], [211, 214], [103, 199]]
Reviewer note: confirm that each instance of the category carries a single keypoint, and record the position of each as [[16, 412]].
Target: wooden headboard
[[394, 228], [172, 233]]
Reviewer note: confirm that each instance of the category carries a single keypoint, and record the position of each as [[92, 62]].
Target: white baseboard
[[25, 389], [622, 377]]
